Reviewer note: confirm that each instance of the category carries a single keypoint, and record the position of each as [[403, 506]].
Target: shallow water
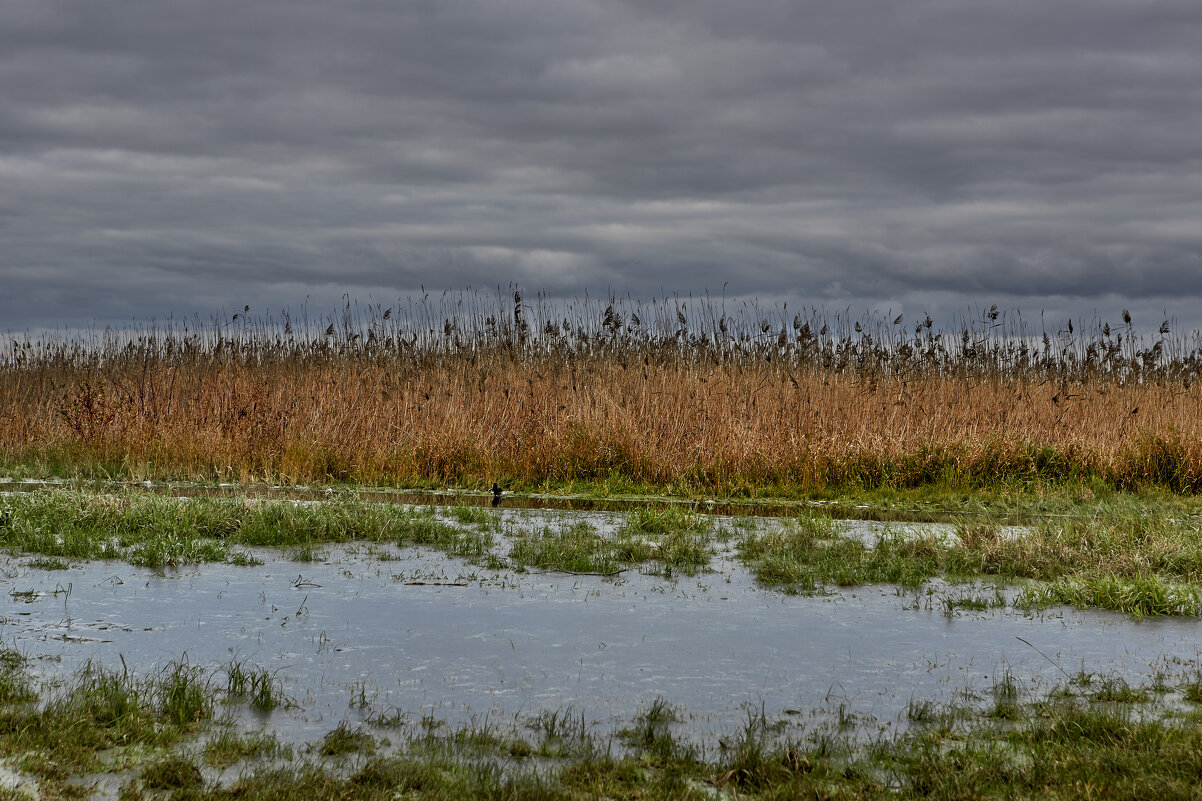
[[351, 636], [528, 501]]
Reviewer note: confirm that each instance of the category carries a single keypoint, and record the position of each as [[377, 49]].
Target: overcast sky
[[169, 157]]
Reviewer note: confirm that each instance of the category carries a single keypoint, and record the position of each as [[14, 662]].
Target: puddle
[[374, 631]]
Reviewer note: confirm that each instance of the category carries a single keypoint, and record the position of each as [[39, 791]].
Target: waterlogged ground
[[376, 633]]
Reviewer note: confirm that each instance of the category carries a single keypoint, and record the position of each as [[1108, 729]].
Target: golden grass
[[735, 404]]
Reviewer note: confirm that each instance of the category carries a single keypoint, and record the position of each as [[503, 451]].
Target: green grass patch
[[257, 686], [230, 748], [571, 548], [806, 554], [669, 540], [15, 685], [165, 532], [345, 740], [1139, 564], [1139, 596], [173, 773]]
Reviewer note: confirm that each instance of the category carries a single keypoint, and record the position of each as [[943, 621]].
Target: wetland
[[333, 644], [738, 553]]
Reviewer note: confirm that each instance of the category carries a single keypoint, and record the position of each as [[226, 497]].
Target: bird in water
[[496, 494]]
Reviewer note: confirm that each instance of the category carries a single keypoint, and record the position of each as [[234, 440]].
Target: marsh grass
[[570, 548], [49, 563], [667, 540], [15, 684], [562, 732], [484, 519], [1081, 740], [102, 715], [973, 602], [679, 541], [1142, 565], [681, 394], [760, 761], [651, 736], [185, 696], [163, 532], [99, 711], [1116, 690], [344, 740], [230, 748], [805, 554], [261, 688], [1139, 596], [173, 773]]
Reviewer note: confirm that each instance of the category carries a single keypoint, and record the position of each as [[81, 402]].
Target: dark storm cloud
[[161, 157]]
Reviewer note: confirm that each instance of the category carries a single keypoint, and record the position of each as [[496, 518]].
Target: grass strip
[[1138, 564], [158, 531]]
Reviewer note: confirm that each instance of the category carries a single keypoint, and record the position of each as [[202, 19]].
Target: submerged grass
[[1098, 740], [229, 748], [105, 719]]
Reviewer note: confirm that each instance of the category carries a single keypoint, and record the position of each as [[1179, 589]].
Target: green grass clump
[[173, 551], [676, 539], [101, 710], [185, 698], [806, 553], [1139, 596], [973, 602], [15, 686], [1140, 564], [478, 516], [651, 736], [575, 548], [173, 773], [229, 748], [258, 686], [673, 540], [1116, 690], [422, 527], [344, 740], [561, 733]]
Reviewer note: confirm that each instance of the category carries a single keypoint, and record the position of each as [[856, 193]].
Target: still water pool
[[384, 631]]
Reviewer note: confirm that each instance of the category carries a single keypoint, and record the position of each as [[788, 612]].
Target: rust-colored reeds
[[680, 394]]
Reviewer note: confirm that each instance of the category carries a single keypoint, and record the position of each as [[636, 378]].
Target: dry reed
[[677, 394]]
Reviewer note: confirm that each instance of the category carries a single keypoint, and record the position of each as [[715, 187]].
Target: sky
[[164, 158]]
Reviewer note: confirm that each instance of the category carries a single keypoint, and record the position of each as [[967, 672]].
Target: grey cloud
[[170, 156]]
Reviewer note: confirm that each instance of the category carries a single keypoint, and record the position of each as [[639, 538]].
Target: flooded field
[[376, 632]]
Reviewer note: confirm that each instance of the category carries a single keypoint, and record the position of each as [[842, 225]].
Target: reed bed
[[676, 395]]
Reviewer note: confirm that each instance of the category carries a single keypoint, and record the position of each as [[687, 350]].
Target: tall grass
[[683, 395]]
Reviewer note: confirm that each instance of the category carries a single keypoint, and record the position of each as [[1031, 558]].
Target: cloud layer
[[170, 157]]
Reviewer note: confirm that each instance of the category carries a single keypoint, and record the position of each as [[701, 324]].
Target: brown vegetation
[[674, 394]]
